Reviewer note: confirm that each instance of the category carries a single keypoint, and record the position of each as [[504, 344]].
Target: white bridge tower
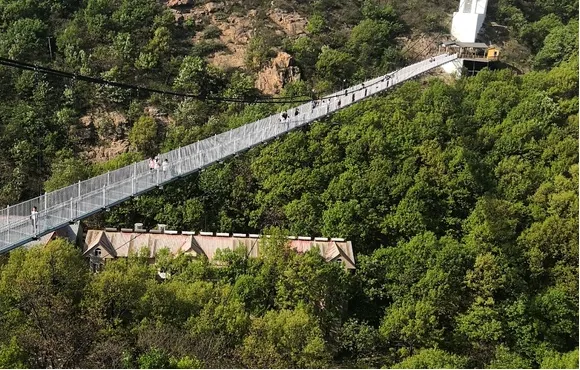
[[467, 21]]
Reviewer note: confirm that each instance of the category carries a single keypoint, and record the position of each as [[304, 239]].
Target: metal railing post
[[78, 199], [104, 196], [179, 160], [45, 201], [133, 178], [8, 223], [71, 209]]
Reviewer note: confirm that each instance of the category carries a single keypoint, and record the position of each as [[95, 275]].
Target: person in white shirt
[[165, 167], [151, 167], [34, 220], [156, 168]]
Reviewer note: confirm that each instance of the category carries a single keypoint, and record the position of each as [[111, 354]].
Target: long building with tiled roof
[[102, 245]]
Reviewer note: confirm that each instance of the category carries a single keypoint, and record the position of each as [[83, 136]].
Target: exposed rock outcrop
[[279, 72], [293, 24], [235, 34], [104, 134], [179, 3], [105, 153], [237, 30]]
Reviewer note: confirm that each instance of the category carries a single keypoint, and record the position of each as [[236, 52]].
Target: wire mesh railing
[[77, 201]]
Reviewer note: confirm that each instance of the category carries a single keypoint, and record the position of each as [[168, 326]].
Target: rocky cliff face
[[293, 24], [235, 33], [279, 72], [103, 134]]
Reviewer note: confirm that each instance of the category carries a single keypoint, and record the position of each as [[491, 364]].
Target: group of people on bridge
[[285, 116], [155, 166]]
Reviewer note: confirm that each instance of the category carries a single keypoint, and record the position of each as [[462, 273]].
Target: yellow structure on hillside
[[492, 53]]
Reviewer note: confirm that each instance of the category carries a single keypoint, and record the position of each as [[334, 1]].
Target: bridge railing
[[84, 198]]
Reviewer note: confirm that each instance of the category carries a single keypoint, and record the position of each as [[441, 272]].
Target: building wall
[[467, 21]]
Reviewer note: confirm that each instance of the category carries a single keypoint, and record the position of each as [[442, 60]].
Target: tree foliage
[[460, 197]]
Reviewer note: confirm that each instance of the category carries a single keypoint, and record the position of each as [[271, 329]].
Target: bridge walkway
[[85, 198]]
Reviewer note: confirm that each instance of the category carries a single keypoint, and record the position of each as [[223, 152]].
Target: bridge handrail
[[63, 204]]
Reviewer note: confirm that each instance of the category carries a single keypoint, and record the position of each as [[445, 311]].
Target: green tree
[[285, 339], [432, 359], [197, 77], [144, 135], [22, 39], [305, 50], [66, 170], [320, 286], [505, 359], [560, 44], [12, 356], [533, 34], [554, 360], [219, 329], [154, 359], [257, 53], [335, 66], [40, 297], [316, 24], [360, 342], [114, 295]]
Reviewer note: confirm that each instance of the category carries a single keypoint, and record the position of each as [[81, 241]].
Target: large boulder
[[278, 73], [178, 3]]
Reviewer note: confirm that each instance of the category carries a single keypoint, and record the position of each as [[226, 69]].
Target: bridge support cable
[[85, 198]]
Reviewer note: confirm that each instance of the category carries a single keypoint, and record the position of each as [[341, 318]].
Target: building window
[[98, 252]]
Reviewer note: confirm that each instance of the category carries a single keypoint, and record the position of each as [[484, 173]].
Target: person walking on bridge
[[164, 168], [34, 220], [156, 167], [151, 166]]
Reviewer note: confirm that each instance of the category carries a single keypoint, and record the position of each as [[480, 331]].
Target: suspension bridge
[[85, 198]]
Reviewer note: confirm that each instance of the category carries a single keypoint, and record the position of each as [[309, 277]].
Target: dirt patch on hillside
[[235, 30], [105, 135], [420, 46]]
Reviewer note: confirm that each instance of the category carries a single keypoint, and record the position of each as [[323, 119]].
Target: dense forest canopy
[[460, 196]]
